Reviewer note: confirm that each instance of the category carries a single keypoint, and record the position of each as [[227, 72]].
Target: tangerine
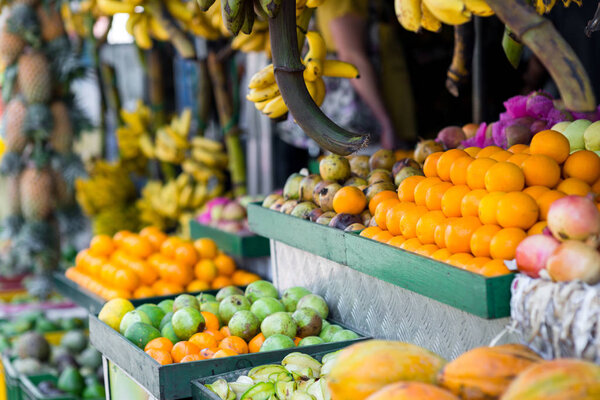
[[476, 172], [206, 248], [256, 343], [209, 353], [186, 254], [370, 232], [409, 219], [182, 349], [541, 170], [469, 205], [574, 187], [421, 189], [552, 144], [425, 229], [161, 357], [433, 198], [452, 200], [206, 270], [396, 241], [446, 160], [169, 246], [518, 148], [518, 159], [142, 292], [517, 210], [502, 155], [460, 260], [406, 189], [392, 220], [155, 236], [481, 239], [234, 343], [222, 353], [504, 177], [459, 232], [473, 151], [382, 237], [161, 343], [537, 228], [487, 151], [427, 250], [192, 357], [220, 282], [411, 245], [381, 211], [535, 191], [349, 200], [430, 164], [458, 170], [211, 321], [102, 246], [494, 268], [384, 195], [198, 285], [225, 264], [488, 207], [203, 340], [439, 235], [545, 201], [504, 243], [441, 255]]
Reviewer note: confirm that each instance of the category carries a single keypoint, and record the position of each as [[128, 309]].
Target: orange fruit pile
[[150, 263], [474, 206]]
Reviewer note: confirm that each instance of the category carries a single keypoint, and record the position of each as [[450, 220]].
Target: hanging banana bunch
[[136, 125], [258, 40], [264, 92], [430, 14]]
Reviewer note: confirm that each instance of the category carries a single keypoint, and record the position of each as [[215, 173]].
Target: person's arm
[[349, 33]]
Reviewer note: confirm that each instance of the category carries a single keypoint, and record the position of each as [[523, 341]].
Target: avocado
[[93, 391], [69, 324], [155, 313], [74, 341], [70, 381], [28, 366], [33, 345], [140, 334], [166, 319], [43, 325], [90, 358]]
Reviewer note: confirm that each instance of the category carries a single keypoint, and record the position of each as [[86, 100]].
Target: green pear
[[591, 137], [574, 133], [561, 126]]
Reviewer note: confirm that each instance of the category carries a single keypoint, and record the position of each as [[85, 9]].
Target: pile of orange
[[210, 343], [474, 206], [151, 263]]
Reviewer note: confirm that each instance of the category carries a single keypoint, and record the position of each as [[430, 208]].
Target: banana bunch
[[210, 24], [137, 125], [302, 4], [430, 14], [108, 185], [171, 142], [258, 40], [74, 21], [545, 6], [264, 92]]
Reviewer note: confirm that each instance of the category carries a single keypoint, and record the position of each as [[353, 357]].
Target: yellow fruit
[[113, 311]]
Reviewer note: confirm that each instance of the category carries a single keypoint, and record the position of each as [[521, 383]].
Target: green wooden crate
[[11, 379], [31, 392], [245, 246], [201, 392], [485, 297], [169, 382]]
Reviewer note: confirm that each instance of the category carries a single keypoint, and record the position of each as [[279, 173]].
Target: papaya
[[364, 368], [561, 379], [412, 391], [485, 372]]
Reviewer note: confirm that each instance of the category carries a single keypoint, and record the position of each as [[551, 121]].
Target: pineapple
[[61, 137], [50, 22], [14, 118], [11, 45], [37, 192], [11, 169], [39, 122], [23, 21], [34, 78]]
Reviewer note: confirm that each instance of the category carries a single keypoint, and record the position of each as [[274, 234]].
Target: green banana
[[271, 7], [234, 14], [205, 4], [249, 20]]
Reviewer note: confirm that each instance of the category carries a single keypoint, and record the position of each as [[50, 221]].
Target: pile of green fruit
[[299, 377]]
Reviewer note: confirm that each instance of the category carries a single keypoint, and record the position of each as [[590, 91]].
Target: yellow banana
[[215, 160], [131, 21], [207, 144], [146, 146], [450, 12], [314, 3], [186, 195], [240, 40], [263, 94], [313, 70], [260, 105], [321, 91], [312, 89], [183, 180], [157, 30], [544, 6], [408, 13], [112, 7], [479, 7], [201, 25], [200, 196], [178, 10], [263, 78], [428, 20], [182, 124], [317, 50], [340, 69], [179, 140], [275, 108], [256, 43], [132, 119], [140, 34]]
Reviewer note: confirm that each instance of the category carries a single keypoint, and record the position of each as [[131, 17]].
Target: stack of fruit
[[473, 207], [150, 264], [36, 321], [228, 215], [232, 322]]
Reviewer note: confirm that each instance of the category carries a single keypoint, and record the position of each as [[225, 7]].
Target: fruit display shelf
[[169, 382], [384, 291], [11, 379], [239, 246], [30, 391]]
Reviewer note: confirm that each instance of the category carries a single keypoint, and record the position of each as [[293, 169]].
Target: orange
[[574, 186], [596, 187], [480, 241], [244, 278], [169, 246], [535, 191], [156, 260], [101, 246], [174, 272], [501, 155], [186, 254], [476, 172], [161, 357], [452, 200], [494, 268], [155, 236], [225, 353], [198, 285], [469, 205], [396, 241], [225, 332], [297, 340], [425, 229], [164, 288], [408, 221], [370, 232], [143, 292], [120, 236], [430, 164], [385, 195], [537, 228], [445, 162], [477, 263], [518, 148], [225, 264], [206, 270], [161, 343], [487, 151], [518, 159], [216, 333], [192, 357], [517, 210], [459, 232], [211, 321], [256, 343], [488, 207], [441, 255], [504, 177], [421, 189], [433, 198], [541, 170], [206, 248], [505, 242], [545, 201], [458, 170], [382, 210], [406, 190], [427, 250], [472, 151], [220, 282], [209, 353], [392, 220], [383, 237], [349, 200], [411, 245], [182, 349], [234, 343], [137, 246], [552, 144], [439, 235], [203, 340], [460, 260]]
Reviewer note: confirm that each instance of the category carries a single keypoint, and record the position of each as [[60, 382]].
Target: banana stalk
[[289, 77], [459, 71], [180, 41], [551, 49]]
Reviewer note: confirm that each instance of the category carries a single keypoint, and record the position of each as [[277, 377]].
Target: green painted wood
[[485, 297], [305, 235], [31, 392], [169, 382], [11, 379], [249, 246]]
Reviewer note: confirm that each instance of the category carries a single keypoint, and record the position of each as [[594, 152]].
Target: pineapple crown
[[64, 62], [39, 157], [70, 167], [38, 122], [12, 164], [24, 22], [11, 226]]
